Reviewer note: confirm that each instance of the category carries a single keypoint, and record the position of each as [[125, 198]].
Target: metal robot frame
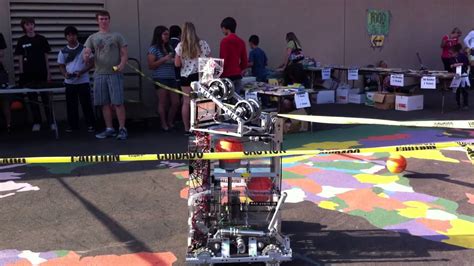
[[234, 205]]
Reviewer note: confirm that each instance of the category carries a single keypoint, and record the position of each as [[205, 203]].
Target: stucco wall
[[332, 31]]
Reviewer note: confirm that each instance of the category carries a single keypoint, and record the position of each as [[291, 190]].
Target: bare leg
[[186, 108], [163, 107], [175, 101], [121, 116], [107, 113]]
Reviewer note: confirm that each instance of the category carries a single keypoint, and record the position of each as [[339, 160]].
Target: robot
[[234, 205]]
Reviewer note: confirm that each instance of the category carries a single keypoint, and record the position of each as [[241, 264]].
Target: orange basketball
[[396, 164], [260, 189], [229, 145], [16, 105]]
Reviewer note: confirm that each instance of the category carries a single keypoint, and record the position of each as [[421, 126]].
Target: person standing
[[110, 57], [175, 38], [448, 41], [175, 35], [459, 59], [32, 50], [4, 100], [76, 80], [234, 53], [293, 71], [257, 59], [187, 56], [469, 42], [293, 52], [161, 60]]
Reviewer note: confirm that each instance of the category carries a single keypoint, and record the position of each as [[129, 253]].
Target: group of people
[[457, 60], [172, 56], [104, 51]]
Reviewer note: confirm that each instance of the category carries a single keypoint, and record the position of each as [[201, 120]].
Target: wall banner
[[378, 25]]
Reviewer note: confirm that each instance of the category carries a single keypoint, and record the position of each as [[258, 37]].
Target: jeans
[[238, 87], [76, 93], [465, 96]]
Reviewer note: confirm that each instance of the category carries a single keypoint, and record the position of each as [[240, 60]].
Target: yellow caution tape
[[175, 90], [470, 153], [156, 82], [225, 155], [459, 124]]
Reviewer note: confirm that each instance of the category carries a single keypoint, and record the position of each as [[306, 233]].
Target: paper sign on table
[[455, 82], [428, 82], [326, 73], [397, 80], [251, 95], [353, 74], [302, 100]]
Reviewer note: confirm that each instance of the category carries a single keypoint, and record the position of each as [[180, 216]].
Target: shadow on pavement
[[312, 245], [440, 177], [118, 231]]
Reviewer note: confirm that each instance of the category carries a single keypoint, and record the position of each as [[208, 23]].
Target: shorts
[[172, 83], [186, 81], [108, 89]]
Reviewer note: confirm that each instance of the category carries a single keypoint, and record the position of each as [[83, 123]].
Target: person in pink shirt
[[448, 41]]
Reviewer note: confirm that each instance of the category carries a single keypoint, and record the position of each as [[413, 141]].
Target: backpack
[[296, 54]]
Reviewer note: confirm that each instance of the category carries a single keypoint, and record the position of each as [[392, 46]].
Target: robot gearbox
[[234, 205]]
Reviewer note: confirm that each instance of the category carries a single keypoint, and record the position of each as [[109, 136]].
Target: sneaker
[[53, 127], [123, 134], [69, 130], [90, 129], [107, 133], [36, 127]]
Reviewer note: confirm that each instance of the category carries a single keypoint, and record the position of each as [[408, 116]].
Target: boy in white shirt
[[76, 80]]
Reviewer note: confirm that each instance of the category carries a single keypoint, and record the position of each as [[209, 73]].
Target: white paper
[[455, 82], [397, 80], [302, 100], [459, 70], [428, 82], [251, 95], [353, 74], [326, 73]]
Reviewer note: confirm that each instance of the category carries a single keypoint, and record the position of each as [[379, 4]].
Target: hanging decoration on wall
[[378, 24]]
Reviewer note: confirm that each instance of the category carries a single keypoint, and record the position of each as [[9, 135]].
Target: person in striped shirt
[[161, 60]]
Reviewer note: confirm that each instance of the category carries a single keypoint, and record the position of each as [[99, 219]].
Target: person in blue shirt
[[257, 59]]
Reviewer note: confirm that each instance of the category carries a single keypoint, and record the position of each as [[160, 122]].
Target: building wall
[[332, 31]]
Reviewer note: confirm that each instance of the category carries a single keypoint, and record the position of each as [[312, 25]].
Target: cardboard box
[[323, 97], [342, 94], [293, 126], [384, 101], [409, 102], [369, 98], [357, 98]]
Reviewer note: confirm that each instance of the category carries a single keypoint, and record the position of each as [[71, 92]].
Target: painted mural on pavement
[[356, 184], [11, 185], [14, 257], [359, 184]]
